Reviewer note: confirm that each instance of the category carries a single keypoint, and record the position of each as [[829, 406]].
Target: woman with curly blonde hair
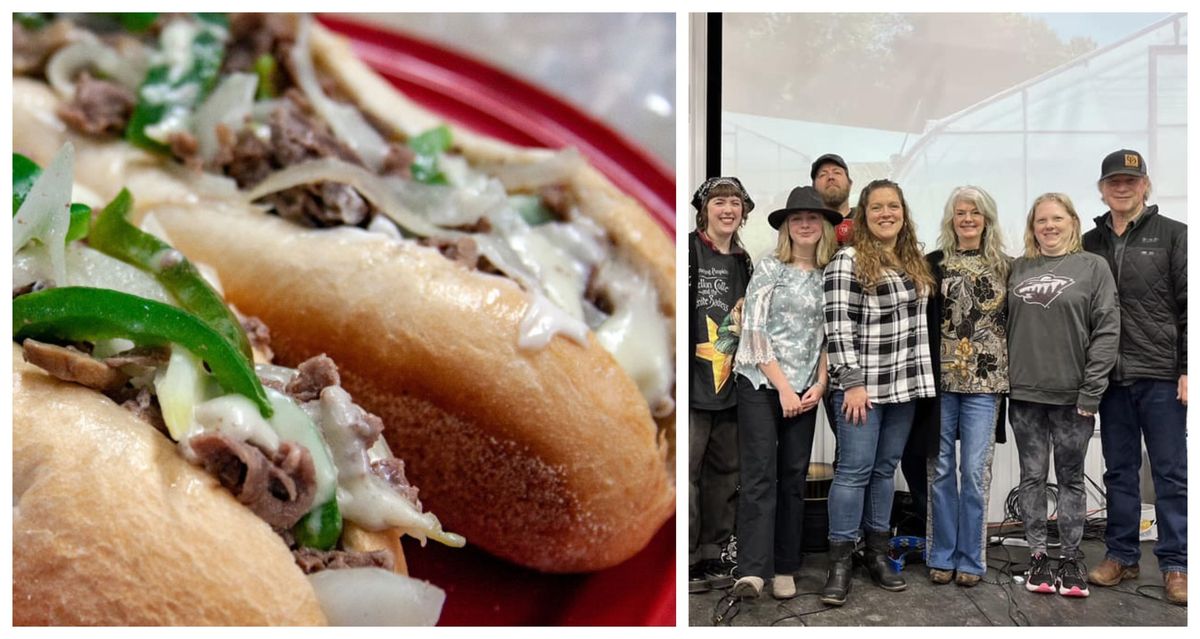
[[970, 362], [876, 293]]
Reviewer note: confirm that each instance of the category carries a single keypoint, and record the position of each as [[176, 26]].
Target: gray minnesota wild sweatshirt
[[1063, 329]]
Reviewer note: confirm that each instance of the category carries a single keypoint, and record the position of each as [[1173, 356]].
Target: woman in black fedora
[[781, 372]]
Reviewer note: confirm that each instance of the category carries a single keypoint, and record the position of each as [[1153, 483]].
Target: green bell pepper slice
[[321, 527], [427, 146], [173, 93], [114, 235], [83, 314]]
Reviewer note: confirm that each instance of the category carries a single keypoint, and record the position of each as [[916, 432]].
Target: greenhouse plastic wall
[[1044, 133]]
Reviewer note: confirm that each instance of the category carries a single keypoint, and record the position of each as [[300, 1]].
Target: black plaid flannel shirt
[[877, 338]]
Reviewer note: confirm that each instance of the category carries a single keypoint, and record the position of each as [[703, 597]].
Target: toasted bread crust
[[545, 457], [111, 526]]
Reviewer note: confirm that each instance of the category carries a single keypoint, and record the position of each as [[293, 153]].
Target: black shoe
[[841, 569], [1072, 578], [1040, 577], [719, 573], [878, 565], [697, 580]]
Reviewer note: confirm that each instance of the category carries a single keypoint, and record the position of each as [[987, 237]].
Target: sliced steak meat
[[140, 361], [242, 156], [254, 34], [462, 250], [321, 204], [31, 287], [297, 134], [559, 200], [259, 335], [32, 47], [145, 407], [315, 373], [99, 107], [71, 365], [186, 148], [279, 489], [392, 471], [398, 161], [311, 560]]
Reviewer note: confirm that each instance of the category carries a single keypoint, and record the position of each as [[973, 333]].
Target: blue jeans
[[864, 479], [1147, 408], [957, 531]]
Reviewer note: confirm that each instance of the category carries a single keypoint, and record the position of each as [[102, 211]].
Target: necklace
[[1059, 260]]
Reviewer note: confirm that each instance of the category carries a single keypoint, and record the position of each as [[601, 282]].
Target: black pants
[[712, 481], [774, 454]]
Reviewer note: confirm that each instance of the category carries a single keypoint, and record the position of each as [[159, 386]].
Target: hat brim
[[1133, 172], [777, 218]]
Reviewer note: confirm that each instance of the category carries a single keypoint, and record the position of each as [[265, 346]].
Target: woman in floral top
[[781, 377], [971, 270]]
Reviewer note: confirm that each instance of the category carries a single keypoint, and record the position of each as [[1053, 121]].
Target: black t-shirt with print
[[716, 282]]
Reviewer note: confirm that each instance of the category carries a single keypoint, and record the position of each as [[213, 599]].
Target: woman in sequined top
[[781, 378]]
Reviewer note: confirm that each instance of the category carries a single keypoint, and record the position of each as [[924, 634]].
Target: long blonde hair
[[1074, 243], [826, 246], [872, 258], [991, 244]]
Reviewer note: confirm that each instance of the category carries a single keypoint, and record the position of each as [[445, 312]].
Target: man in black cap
[[831, 178], [1147, 395]]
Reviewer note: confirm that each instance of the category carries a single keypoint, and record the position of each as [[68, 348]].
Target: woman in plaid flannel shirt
[[876, 293]]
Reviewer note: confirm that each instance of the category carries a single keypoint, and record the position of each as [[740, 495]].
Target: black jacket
[[927, 423], [1152, 286]]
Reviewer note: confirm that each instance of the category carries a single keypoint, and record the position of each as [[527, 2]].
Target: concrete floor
[[924, 604]]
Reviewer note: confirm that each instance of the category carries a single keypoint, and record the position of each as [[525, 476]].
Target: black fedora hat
[[803, 198]]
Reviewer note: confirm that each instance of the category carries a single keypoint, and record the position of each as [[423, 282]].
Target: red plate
[[482, 590]]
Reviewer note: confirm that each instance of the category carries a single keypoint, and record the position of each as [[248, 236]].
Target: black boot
[[878, 565], [841, 568]]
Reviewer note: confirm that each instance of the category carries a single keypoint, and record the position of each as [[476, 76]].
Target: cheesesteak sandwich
[[160, 476], [507, 312]]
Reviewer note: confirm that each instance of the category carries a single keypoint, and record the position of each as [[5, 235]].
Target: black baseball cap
[[1122, 162], [825, 159]]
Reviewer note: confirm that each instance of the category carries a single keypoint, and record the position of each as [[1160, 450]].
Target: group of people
[[924, 352]]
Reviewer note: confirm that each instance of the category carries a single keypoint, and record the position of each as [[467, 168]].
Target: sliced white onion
[[88, 267], [229, 104], [90, 53], [555, 169], [45, 214], [371, 186], [376, 597], [347, 123]]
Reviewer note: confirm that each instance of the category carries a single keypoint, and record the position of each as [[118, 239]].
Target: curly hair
[[991, 244], [907, 256]]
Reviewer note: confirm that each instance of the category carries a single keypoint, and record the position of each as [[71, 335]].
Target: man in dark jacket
[[1147, 396]]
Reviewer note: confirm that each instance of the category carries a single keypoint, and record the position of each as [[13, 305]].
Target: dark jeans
[[774, 454], [1037, 427], [712, 481], [1146, 408]]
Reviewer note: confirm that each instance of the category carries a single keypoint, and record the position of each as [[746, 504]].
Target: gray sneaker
[[748, 588]]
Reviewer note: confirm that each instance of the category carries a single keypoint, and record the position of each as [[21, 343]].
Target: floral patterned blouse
[[974, 344], [782, 321]]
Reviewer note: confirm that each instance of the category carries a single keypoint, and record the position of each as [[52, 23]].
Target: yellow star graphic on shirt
[[722, 363]]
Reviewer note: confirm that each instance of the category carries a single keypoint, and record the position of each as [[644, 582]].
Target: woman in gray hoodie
[[1063, 331]]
